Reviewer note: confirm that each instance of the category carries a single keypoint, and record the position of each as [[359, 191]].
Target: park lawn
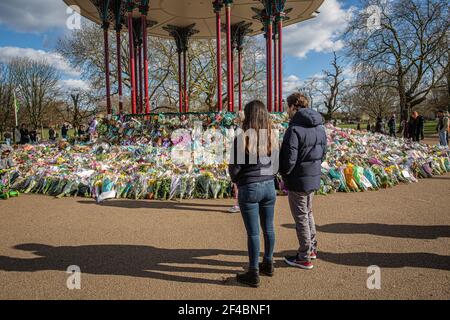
[[351, 126], [429, 128]]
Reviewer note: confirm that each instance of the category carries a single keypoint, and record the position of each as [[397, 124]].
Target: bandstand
[[183, 20]]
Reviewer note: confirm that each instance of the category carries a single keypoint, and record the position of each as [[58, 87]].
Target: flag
[[16, 105], [16, 109]]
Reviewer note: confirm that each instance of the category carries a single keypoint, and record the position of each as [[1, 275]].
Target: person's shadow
[[156, 204], [385, 230], [388, 260], [129, 260], [388, 230]]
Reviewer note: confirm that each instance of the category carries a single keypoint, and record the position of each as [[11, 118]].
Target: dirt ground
[[193, 249]]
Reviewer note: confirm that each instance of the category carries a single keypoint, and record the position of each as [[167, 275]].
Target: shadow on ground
[[388, 260], [159, 263], [167, 205], [380, 259], [128, 260], [387, 230]]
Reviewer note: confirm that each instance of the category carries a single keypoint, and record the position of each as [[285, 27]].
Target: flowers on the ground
[[137, 159]]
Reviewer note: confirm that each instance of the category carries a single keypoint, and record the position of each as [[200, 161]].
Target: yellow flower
[[209, 174]]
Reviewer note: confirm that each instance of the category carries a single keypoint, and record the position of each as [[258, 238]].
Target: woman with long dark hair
[[252, 169]]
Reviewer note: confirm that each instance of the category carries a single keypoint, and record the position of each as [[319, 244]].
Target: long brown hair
[[257, 118]]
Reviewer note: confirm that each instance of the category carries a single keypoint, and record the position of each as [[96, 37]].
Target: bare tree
[[331, 88], [37, 88], [79, 108], [409, 46], [6, 99], [82, 48], [368, 96]]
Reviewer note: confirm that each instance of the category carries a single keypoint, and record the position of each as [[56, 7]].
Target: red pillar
[[119, 70], [136, 79], [186, 98], [229, 56], [269, 65], [219, 56], [240, 77], [180, 89], [280, 64], [141, 105], [275, 73], [232, 79], [144, 43], [132, 70], [106, 47]]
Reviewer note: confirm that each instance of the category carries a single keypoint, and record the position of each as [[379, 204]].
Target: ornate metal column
[[144, 11], [145, 24], [280, 16], [118, 10], [218, 4], [186, 96], [230, 84], [130, 7], [104, 12], [266, 18], [238, 33], [137, 32], [181, 36]]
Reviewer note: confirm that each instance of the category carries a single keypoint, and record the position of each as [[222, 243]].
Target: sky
[[30, 28]]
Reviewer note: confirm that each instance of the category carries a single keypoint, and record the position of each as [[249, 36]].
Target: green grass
[[429, 128], [351, 126]]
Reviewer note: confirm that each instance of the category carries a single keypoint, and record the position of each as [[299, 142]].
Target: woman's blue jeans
[[257, 204], [443, 138]]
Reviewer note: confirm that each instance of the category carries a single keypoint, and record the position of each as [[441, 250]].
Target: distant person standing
[[412, 127], [379, 126], [368, 127], [8, 137], [448, 124], [392, 124], [33, 136], [443, 127], [52, 134], [83, 134], [93, 129], [64, 131], [24, 134], [404, 128], [420, 126]]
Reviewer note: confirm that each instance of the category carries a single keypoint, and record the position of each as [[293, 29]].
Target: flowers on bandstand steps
[[139, 158]]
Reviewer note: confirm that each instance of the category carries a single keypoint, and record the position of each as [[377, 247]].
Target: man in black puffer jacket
[[302, 153]]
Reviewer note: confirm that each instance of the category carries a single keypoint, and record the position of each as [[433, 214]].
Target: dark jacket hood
[[307, 118]]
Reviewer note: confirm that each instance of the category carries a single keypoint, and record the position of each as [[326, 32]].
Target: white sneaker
[[234, 209]]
